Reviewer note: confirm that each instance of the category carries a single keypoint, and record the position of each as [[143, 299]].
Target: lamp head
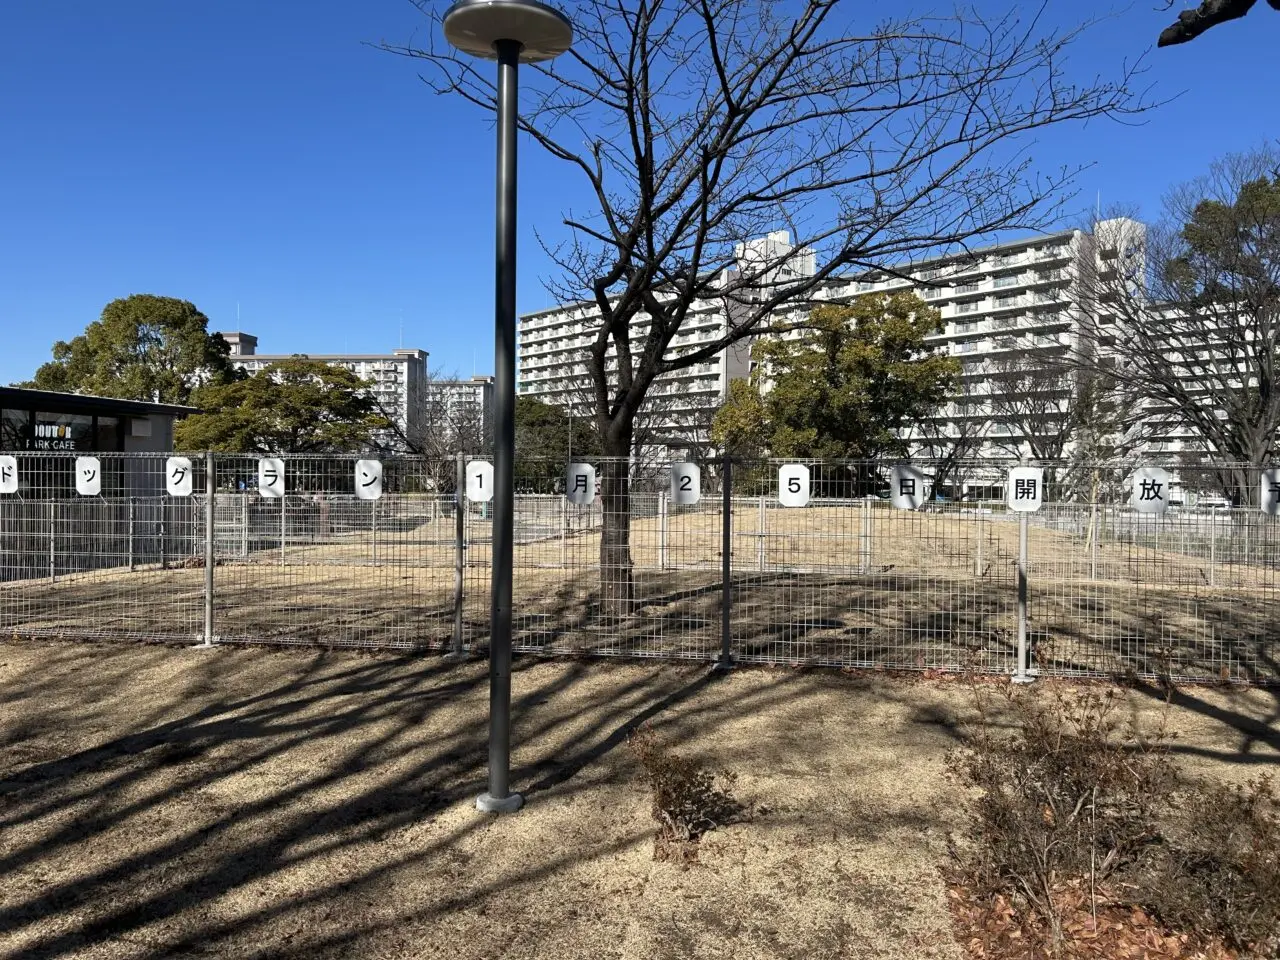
[[476, 26]]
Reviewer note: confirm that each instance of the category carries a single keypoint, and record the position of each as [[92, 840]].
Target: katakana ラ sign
[[1024, 491], [480, 481], [1150, 490], [177, 476], [8, 474], [793, 485], [906, 487], [1269, 500], [686, 483], [271, 477], [88, 476], [580, 483], [368, 479]]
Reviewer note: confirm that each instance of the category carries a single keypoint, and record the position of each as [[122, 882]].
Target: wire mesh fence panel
[[617, 558]]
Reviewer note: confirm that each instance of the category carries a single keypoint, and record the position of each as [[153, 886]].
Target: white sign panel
[[1150, 490], [177, 476], [793, 485], [686, 483], [580, 483], [271, 477], [1269, 499], [906, 487], [1024, 490], [480, 481], [8, 474], [88, 476], [368, 479]]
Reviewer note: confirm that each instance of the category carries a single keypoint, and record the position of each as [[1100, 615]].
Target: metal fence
[[1085, 586]]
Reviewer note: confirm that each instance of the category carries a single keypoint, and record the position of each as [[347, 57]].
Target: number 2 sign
[[686, 483]]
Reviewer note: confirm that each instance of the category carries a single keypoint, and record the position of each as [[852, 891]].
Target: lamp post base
[[508, 804]]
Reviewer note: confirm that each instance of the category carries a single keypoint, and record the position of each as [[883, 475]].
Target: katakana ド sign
[[1269, 496], [8, 474], [1024, 491]]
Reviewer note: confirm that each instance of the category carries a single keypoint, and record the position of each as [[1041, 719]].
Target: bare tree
[[1191, 23], [695, 124], [1035, 395], [1186, 313], [953, 434]]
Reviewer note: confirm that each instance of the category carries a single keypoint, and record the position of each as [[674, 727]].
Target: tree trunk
[[617, 586]]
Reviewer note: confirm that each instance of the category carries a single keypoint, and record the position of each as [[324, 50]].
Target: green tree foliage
[[296, 406], [543, 447], [143, 347], [846, 389]]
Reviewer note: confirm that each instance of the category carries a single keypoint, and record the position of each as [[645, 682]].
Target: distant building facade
[[398, 377], [458, 412]]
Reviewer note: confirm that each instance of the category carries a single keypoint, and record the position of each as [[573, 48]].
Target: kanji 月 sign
[[177, 477], [88, 476], [1150, 490], [686, 483], [1024, 491], [793, 485], [906, 487], [368, 479], [8, 474], [580, 483], [1269, 497], [271, 477], [480, 481]]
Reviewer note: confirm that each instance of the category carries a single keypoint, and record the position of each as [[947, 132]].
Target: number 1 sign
[[480, 481]]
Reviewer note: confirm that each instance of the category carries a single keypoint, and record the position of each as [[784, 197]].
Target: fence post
[[865, 544], [761, 549], [244, 524], [164, 533], [564, 532], [977, 567], [373, 526], [1213, 546], [726, 566], [53, 548], [662, 530], [284, 527], [1095, 531], [132, 503], [1020, 675], [459, 553], [210, 488]]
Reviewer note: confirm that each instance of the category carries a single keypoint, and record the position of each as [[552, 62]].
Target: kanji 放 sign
[[1150, 490]]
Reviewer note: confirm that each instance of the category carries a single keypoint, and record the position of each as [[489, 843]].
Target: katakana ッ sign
[[8, 474], [580, 483], [1150, 490], [1024, 490], [368, 479], [88, 476], [177, 476], [686, 483], [480, 481], [271, 477], [793, 485], [906, 487]]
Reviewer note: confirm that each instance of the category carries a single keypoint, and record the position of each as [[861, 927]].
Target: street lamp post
[[511, 32]]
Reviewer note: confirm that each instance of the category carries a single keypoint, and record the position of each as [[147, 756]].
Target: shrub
[[1071, 794], [687, 800], [1220, 873]]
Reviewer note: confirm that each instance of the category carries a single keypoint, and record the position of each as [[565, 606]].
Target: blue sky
[[263, 154]]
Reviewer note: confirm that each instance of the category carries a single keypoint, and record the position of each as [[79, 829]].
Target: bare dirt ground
[[161, 802]]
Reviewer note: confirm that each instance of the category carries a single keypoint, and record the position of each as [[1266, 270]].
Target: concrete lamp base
[[1023, 678], [508, 804]]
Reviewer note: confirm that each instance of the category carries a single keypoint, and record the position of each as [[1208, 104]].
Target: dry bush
[[1220, 873], [688, 799], [1071, 794]]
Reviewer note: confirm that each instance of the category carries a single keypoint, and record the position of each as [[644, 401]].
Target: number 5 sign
[[793, 485], [686, 483]]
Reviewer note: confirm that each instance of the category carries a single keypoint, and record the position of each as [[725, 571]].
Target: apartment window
[[968, 346], [970, 306], [964, 326], [932, 293], [1007, 260], [970, 287], [1011, 280], [1010, 300]]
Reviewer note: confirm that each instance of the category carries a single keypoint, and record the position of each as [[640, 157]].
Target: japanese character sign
[[906, 487], [368, 479], [580, 483], [177, 476], [793, 485], [480, 481], [271, 477], [8, 474], [686, 483], [1024, 490], [1150, 490], [1269, 500], [88, 476]]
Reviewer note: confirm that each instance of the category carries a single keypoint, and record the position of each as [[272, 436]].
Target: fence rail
[[1085, 586]]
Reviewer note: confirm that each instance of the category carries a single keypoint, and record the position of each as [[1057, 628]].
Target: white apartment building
[[452, 406], [1002, 306], [397, 377]]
